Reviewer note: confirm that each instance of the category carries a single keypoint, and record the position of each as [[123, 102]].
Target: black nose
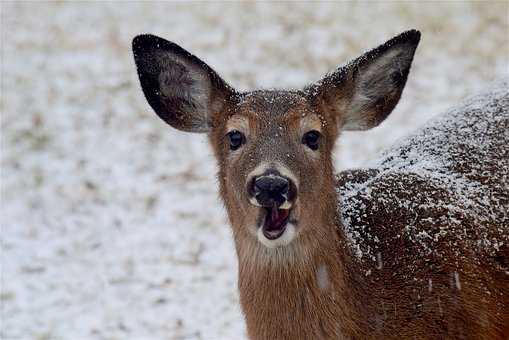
[[270, 190]]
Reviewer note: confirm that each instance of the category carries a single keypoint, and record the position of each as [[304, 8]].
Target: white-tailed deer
[[416, 247]]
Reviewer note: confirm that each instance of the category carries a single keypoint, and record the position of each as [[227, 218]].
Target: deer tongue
[[275, 222]]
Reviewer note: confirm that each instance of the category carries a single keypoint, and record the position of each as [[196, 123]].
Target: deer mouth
[[275, 221]]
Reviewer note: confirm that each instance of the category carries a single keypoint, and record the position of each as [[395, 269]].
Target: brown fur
[[407, 296], [431, 219], [416, 247], [269, 275]]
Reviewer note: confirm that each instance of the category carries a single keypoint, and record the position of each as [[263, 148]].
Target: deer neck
[[306, 290]]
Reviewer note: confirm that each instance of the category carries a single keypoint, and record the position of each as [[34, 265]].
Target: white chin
[[285, 239]]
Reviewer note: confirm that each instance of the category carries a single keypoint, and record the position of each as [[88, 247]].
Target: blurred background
[[111, 223]]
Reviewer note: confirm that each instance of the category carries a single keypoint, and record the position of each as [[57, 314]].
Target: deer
[[413, 246]]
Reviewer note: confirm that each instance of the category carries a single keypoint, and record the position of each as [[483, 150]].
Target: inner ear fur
[[182, 89], [363, 93]]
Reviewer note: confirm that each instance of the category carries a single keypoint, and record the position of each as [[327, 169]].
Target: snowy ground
[[111, 226]]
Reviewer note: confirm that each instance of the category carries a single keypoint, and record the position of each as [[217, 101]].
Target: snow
[[447, 183], [111, 223]]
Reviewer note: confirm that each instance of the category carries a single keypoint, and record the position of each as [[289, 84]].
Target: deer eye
[[311, 139], [236, 139]]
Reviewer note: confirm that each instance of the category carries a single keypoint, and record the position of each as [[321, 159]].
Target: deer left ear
[[363, 93], [183, 91]]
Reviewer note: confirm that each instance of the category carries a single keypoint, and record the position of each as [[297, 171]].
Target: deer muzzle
[[274, 194]]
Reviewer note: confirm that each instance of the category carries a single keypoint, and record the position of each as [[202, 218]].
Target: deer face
[[274, 151], [274, 147]]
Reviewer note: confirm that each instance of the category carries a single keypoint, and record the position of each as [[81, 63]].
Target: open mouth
[[275, 221]]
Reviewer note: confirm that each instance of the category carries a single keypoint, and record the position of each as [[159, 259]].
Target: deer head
[[274, 147]]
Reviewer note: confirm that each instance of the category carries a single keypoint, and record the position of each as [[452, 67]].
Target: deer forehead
[[281, 113]]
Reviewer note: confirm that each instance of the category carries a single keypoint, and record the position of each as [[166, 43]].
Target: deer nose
[[270, 190]]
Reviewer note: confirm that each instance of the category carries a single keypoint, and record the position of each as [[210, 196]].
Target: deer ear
[[183, 90], [363, 93]]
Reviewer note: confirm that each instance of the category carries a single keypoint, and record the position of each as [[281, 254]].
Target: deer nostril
[[272, 184]]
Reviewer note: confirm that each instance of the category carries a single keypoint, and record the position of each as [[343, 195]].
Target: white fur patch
[[284, 171], [238, 123], [260, 169], [311, 122], [285, 239], [286, 205], [254, 201], [322, 277], [264, 166]]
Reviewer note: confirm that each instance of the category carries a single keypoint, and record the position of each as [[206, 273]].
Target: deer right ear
[[363, 93], [183, 90]]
